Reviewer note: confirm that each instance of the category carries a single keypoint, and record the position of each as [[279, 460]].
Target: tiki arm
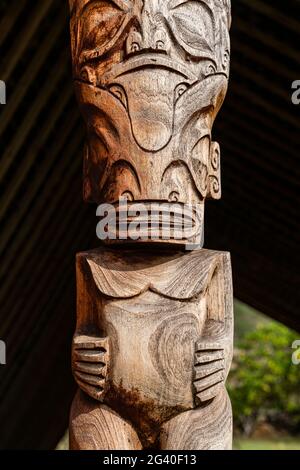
[[213, 352], [90, 361], [90, 347]]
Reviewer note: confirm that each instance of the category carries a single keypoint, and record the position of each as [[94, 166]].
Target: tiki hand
[[90, 356], [209, 371]]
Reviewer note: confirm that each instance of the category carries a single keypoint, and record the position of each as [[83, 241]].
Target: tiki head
[[150, 77]]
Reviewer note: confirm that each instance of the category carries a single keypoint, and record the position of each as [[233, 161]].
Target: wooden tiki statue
[[153, 341]]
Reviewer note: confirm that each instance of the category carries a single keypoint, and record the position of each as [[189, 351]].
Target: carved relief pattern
[[154, 334], [150, 357], [150, 77]]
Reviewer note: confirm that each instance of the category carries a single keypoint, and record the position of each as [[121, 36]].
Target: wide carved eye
[[101, 23], [193, 27]]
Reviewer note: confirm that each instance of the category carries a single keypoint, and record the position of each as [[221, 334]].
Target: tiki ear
[[76, 4], [71, 4], [228, 11]]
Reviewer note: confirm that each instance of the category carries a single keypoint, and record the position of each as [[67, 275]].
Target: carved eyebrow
[[176, 3], [121, 4]]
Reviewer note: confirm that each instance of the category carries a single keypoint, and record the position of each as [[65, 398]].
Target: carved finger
[[209, 393], [200, 346], [89, 355], [93, 391], [90, 342], [208, 382], [202, 371], [90, 379], [205, 358], [91, 368]]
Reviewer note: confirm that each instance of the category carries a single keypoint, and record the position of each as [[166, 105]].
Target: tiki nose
[[149, 32], [143, 41]]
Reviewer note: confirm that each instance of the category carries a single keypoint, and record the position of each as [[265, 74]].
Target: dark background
[[44, 221]]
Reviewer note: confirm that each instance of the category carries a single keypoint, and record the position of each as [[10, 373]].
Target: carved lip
[[147, 60]]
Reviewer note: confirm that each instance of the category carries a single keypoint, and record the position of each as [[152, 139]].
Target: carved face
[[150, 78]]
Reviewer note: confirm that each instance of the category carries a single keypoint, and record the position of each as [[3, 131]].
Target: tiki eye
[[101, 23], [193, 26]]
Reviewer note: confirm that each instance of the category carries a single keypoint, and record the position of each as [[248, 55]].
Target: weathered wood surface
[[150, 77], [153, 341], [256, 219], [154, 331]]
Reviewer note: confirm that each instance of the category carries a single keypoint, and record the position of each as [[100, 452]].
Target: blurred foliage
[[264, 384], [246, 319], [267, 444]]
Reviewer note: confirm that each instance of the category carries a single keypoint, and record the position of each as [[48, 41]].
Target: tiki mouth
[[149, 84], [147, 60], [154, 221]]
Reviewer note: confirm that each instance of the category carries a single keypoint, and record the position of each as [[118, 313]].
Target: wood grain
[[206, 428], [259, 207], [154, 333], [150, 77], [96, 427], [153, 341]]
